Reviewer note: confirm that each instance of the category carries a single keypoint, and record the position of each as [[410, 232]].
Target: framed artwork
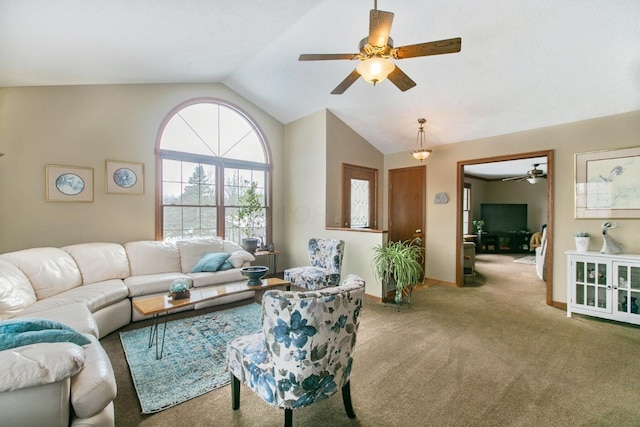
[[607, 183], [124, 177], [68, 184]]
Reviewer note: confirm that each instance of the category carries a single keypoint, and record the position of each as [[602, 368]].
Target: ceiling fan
[[533, 176], [377, 48]]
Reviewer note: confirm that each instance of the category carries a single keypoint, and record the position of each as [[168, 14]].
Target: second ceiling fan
[[533, 175], [376, 51]]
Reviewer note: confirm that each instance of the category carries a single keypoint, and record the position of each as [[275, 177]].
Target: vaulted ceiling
[[523, 64]]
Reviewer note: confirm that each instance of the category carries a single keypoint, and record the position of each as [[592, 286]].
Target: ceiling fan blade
[[346, 83], [430, 48], [515, 178], [379, 27], [400, 79], [325, 56]]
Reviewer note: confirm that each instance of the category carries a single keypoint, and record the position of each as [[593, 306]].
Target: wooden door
[[407, 192]]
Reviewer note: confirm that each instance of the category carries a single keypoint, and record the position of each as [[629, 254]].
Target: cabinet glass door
[[628, 288], [591, 285]]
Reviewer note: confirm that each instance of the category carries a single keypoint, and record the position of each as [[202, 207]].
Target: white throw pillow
[[238, 258]]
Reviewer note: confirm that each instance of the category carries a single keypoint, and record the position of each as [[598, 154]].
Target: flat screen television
[[504, 217]]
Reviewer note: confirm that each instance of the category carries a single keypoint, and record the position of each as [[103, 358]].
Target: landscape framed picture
[[607, 183], [124, 177], [68, 184]]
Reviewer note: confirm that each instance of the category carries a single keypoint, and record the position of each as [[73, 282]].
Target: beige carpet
[[489, 354]]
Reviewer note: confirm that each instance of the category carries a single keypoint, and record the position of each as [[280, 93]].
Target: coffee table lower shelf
[[162, 304]]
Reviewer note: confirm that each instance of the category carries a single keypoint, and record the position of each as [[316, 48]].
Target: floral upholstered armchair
[[304, 352], [325, 256]]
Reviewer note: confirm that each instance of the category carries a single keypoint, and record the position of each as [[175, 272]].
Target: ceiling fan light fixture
[[421, 152], [376, 69], [533, 180]]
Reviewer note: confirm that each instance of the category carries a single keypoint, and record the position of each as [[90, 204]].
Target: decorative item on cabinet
[[609, 246], [582, 240]]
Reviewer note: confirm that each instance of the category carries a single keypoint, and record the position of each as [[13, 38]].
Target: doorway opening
[[461, 208]]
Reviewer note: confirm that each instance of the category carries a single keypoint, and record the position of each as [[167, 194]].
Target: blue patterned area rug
[[194, 360]]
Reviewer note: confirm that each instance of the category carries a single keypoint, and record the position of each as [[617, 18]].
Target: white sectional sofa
[[89, 287]]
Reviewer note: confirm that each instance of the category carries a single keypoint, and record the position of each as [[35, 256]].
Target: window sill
[[358, 230]]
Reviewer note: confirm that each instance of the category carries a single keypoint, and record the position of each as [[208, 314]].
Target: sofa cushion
[[239, 257], [76, 315], [95, 296], [152, 283], [152, 257], [192, 250], [216, 278], [94, 387], [50, 270], [210, 262], [26, 331], [100, 261], [39, 364], [16, 292]]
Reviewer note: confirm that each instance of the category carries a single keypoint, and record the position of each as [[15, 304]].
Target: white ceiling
[[506, 168], [523, 64]]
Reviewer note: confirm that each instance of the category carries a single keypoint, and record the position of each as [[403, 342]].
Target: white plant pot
[[582, 244]]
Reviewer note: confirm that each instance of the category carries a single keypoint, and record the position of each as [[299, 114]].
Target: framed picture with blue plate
[[124, 177], [68, 184]]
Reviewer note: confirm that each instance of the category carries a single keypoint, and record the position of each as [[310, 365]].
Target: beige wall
[[316, 147], [345, 146], [566, 140], [84, 126]]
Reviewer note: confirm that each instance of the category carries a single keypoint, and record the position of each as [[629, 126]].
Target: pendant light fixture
[[421, 152], [376, 69]]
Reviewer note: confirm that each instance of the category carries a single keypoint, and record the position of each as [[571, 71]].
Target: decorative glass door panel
[[591, 288], [628, 285]]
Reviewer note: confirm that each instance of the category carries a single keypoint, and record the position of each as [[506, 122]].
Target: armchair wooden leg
[[346, 398], [235, 392], [288, 417]]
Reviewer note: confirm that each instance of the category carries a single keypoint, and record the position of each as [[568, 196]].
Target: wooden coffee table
[[163, 304]]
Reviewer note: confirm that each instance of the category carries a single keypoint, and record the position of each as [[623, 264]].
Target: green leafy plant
[[250, 215], [478, 224], [400, 262], [581, 234]]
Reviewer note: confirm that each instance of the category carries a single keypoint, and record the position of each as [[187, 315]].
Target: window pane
[[172, 222], [192, 130], [171, 193], [359, 203], [171, 170]]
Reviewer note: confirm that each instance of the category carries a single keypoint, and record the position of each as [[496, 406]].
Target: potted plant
[[399, 264], [250, 215], [479, 225], [582, 240]]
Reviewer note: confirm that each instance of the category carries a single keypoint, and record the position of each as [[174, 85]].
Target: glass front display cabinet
[[604, 285]]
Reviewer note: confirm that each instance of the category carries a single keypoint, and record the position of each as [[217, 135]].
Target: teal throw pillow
[[19, 332], [226, 266], [210, 262]]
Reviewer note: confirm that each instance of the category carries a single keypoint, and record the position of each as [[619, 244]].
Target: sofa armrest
[[39, 364], [93, 388]]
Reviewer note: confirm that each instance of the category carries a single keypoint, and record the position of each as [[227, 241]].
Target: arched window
[[209, 154]]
